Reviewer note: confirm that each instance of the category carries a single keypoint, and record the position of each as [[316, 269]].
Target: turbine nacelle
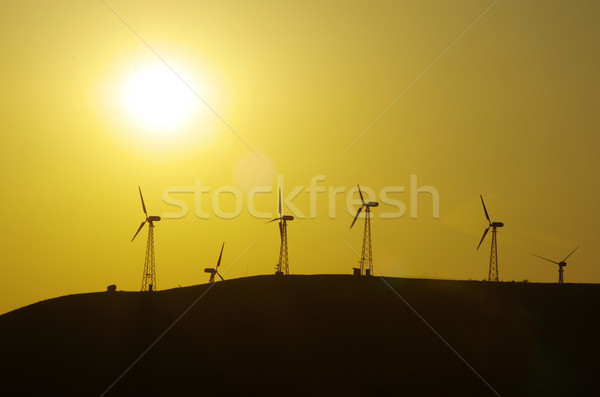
[[150, 219], [215, 272], [281, 217], [368, 205], [493, 225]]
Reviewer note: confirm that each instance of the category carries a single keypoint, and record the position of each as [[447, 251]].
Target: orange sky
[[507, 111]]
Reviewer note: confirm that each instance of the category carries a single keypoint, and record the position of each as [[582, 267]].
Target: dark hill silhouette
[[308, 335]]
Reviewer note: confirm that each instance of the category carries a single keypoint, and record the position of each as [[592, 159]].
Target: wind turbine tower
[[366, 257], [493, 272], [283, 266], [149, 275]]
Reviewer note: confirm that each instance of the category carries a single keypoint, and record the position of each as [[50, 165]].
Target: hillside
[[307, 335]]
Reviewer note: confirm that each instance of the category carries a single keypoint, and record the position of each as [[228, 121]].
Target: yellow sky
[[509, 112]]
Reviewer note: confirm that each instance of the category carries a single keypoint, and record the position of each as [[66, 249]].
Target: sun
[[157, 99]]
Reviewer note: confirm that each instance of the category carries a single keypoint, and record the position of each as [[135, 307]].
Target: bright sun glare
[[157, 99]]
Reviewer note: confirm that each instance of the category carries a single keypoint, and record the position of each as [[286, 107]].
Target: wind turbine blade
[[281, 230], [485, 209], [357, 213], [570, 253], [220, 255], [140, 228], [484, 233], [361, 196], [272, 220], [546, 259], [280, 212], [143, 205], [219, 274]]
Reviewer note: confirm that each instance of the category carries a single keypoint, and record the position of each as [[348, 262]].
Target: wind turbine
[[283, 266], [493, 272], [366, 257], [149, 276], [560, 264], [214, 271]]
